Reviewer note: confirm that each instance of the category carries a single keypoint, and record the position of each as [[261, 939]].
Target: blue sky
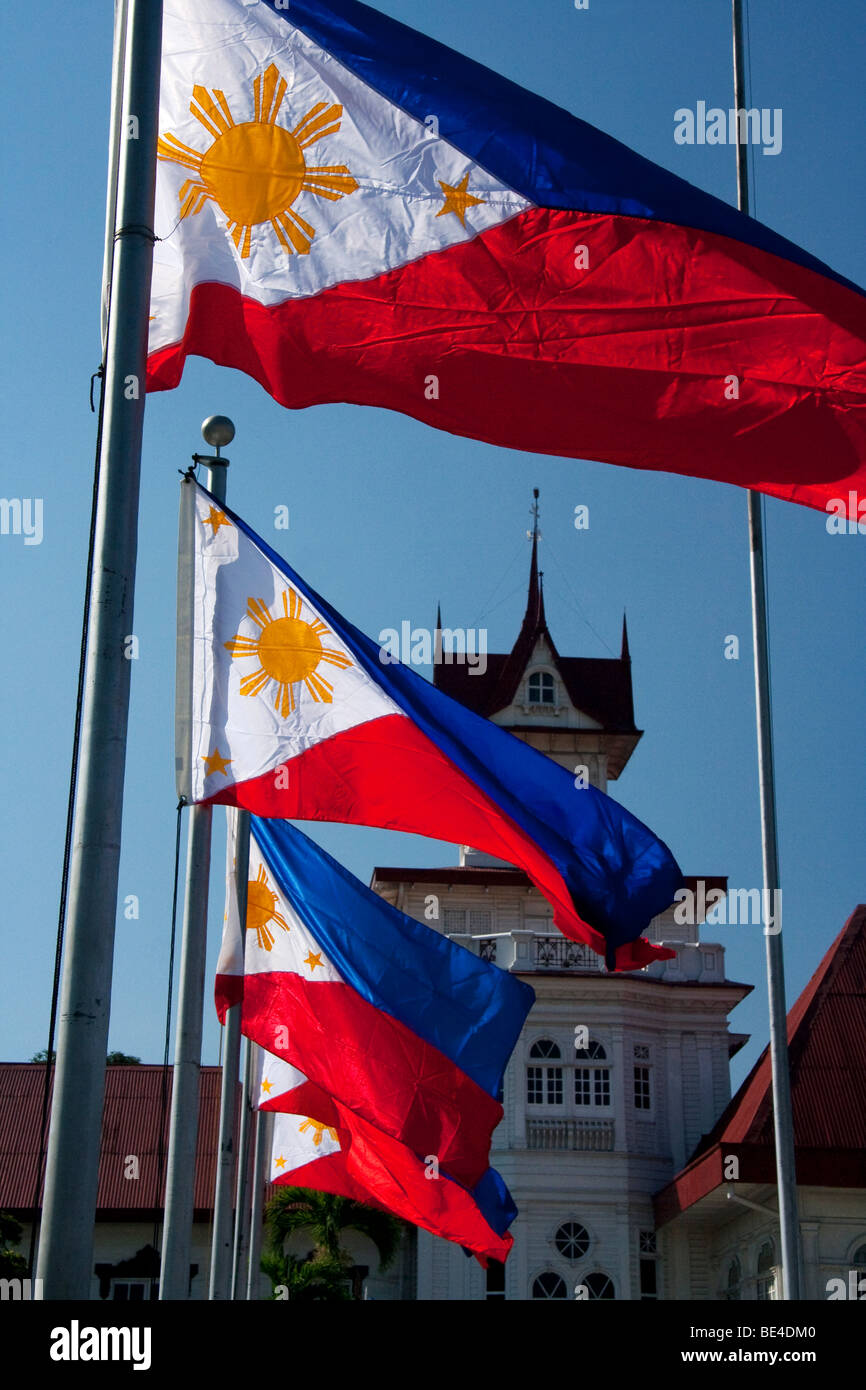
[[388, 517]]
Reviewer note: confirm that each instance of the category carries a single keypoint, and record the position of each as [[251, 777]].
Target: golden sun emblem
[[262, 909], [288, 651], [256, 170], [320, 1130]]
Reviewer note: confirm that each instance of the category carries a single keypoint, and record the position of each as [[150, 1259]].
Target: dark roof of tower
[[599, 686]]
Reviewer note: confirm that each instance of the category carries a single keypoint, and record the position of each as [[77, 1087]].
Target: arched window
[[591, 1081], [766, 1285], [734, 1280], [858, 1259], [572, 1240], [549, 1285], [541, 688], [599, 1285], [544, 1084]]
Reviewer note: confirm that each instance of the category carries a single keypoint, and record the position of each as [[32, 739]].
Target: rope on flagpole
[[163, 1092]]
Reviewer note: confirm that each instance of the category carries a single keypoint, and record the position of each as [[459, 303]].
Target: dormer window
[[541, 688]]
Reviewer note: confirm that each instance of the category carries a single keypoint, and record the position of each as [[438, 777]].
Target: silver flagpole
[[259, 1159], [222, 1242], [120, 13], [783, 1117], [183, 1131], [69, 1206], [242, 1207]]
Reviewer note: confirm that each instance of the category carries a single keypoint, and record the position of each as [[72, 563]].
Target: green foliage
[[320, 1279], [12, 1264], [325, 1217], [114, 1059]]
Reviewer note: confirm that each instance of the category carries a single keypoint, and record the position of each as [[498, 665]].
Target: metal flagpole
[[259, 1152], [222, 1239], [69, 1206], [783, 1118], [183, 1131], [120, 13], [242, 1208]]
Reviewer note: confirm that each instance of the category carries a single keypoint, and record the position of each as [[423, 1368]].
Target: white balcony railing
[[582, 1136], [558, 953]]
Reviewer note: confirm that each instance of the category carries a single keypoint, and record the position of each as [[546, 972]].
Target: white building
[[636, 1174], [590, 1133]]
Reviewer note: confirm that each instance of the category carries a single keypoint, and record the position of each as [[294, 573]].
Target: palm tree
[[328, 1265], [306, 1280]]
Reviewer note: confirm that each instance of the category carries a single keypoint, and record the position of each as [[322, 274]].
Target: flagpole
[[242, 1208], [223, 1236], [183, 1129], [120, 18], [72, 1168], [783, 1117], [255, 1254]]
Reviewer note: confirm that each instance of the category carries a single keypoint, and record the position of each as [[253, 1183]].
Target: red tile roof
[[827, 1058], [131, 1126]]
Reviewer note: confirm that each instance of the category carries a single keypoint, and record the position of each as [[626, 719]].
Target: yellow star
[[215, 763], [313, 960], [267, 1087], [458, 199], [216, 519], [280, 1163]]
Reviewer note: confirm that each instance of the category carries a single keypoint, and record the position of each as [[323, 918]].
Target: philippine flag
[[349, 211], [287, 710], [321, 1144], [404, 1027]]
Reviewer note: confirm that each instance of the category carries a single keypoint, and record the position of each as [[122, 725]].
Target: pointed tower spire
[[437, 640], [534, 617], [625, 655]]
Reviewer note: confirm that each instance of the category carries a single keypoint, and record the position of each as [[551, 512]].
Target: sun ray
[[285, 701], [264, 938], [224, 106], [289, 236], [320, 121], [206, 110], [170, 148], [251, 685], [313, 111], [277, 101], [243, 646], [263, 91], [335, 658], [241, 237], [258, 611], [332, 182], [319, 688], [193, 197]]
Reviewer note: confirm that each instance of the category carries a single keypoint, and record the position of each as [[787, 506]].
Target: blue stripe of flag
[[540, 150], [469, 1010]]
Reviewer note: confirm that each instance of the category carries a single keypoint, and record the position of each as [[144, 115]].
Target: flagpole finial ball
[[217, 431]]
